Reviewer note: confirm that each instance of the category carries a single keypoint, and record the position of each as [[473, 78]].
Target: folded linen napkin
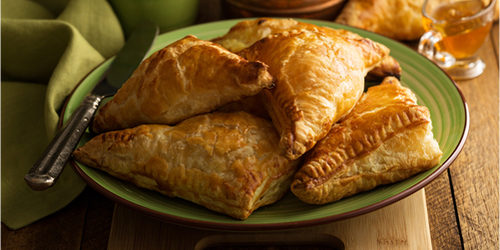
[[47, 47]]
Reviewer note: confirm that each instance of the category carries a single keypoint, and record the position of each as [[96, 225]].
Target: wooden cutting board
[[401, 225]]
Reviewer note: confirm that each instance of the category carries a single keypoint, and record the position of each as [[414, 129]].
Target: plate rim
[[221, 226]]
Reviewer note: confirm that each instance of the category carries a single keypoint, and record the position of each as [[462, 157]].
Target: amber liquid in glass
[[460, 38]]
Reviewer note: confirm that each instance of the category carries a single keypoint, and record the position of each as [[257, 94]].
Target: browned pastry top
[[187, 77], [228, 162], [386, 138], [319, 78]]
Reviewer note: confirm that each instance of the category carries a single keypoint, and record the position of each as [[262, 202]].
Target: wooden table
[[462, 203]]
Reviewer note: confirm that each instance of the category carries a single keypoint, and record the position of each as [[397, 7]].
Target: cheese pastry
[[245, 33], [386, 138], [319, 78], [187, 77], [227, 162], [397, 19]]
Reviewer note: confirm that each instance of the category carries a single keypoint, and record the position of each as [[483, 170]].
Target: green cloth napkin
[[48, 46]]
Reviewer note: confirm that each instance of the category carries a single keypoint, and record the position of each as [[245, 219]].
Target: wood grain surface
[[401, 225], [84, 224], [442, 217], [463, 203], [477, 201]]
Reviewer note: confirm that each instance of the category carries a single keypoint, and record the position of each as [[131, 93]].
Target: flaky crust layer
[[245, 33], [227, 162], [397, 19], [319, 78], [386, 138], [186, 78]]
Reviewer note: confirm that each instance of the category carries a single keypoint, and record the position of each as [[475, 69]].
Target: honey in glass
[[462, 35]]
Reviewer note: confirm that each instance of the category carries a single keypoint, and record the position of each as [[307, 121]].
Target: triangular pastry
[[386, 138], [319, 78], [397, 19], [227, 162], [245, 33], [188, 77]]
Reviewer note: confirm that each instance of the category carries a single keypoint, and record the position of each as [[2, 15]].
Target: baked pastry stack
[[245, 33], [319, 74], [161, 136], [181, 124], [386, 138]]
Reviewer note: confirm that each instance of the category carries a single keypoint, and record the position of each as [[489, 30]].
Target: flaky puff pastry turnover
[[319, 78], [187, 77], [227, 162], [386, 138], [245, 33], [397, 19]]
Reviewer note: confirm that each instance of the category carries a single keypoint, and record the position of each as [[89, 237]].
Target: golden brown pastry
[[388, 67], [187, 77], [250, 104], [227, 162], [319, 78], [386, 138], [497, 11], [245, 33], [397, 19]]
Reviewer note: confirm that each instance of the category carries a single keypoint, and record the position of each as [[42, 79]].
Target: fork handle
[[46, 170]]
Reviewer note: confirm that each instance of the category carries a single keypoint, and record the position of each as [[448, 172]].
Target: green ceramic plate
[[432, 86]]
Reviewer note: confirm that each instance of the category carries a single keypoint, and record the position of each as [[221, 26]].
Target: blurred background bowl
[[314, 9]]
